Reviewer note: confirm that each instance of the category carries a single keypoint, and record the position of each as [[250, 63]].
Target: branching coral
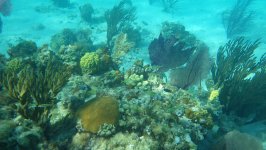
[[241, 78], [118, 18], [237, 19], [35, 86]]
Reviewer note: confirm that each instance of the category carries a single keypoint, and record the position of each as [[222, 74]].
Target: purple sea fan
[[194, 70]]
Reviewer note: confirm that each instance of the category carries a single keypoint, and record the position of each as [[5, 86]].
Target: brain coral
[[97, 112]]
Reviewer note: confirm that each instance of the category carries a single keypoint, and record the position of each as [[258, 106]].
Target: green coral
[[90, 63], [95, 62], [35, 85]]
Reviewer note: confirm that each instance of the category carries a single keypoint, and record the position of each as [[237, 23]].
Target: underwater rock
[[236, 140], [97, 112]]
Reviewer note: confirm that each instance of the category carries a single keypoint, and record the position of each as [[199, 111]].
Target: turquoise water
[[160, 54]]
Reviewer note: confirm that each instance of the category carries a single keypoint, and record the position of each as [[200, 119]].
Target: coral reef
[[237, 71], [98, 112], [124, 141], [157, 111], [237, 19], [23, 49]]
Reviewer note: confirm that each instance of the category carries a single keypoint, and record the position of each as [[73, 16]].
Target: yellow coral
[[213, 95], [99, 111], [90, 62]]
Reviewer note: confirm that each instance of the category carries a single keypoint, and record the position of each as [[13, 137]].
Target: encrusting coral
[[98, 112]]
